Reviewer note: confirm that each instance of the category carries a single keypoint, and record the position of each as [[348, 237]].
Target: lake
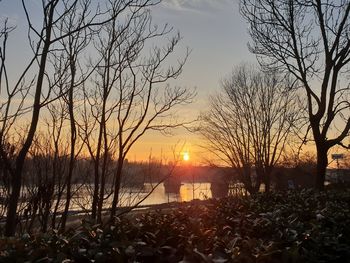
[[131, 196]]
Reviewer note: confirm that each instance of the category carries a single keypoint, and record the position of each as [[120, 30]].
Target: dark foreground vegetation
[[303, 226]]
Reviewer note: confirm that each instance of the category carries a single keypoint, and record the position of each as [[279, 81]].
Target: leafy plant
[[304, 226]]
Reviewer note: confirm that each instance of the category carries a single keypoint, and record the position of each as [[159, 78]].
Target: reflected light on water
[[129, 196], [201, 191]]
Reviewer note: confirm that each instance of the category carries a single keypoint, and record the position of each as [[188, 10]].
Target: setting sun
[[186, 156]]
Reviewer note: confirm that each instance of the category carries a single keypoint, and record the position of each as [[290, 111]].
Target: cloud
[[197, 6]]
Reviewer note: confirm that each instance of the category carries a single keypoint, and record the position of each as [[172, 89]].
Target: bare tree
[[249, 123], [45, 167], [73, 47], [44, 41], [132, 92], [146, 101], [309, 39]]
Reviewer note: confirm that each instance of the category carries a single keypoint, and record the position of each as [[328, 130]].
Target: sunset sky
[[213, 30], [217, 35]]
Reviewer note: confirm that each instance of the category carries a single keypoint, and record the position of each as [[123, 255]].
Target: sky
[[215, 33]]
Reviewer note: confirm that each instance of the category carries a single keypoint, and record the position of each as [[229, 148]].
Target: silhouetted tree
[[308, 39], [132, 91], [249, 122], [44, 40], [45, 167], [74, 46]]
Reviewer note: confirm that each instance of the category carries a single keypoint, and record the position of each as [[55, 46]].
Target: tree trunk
[[95, 198], [11, 219], [257, 181], [322, 163], [249, 184], [267, 178], [66, 209], [117, 187], [95, 194], [102, 189], [68, 198], [55, 211], [267, 183], [73, 132], [103, 177], [101, 199], [48, 204]]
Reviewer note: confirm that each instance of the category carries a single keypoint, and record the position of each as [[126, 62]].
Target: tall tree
[[249, 122], [44, 40], [73, 45], [131, 86], [309, 39]]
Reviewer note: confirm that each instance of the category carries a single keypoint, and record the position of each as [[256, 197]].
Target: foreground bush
[[279, 227]]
